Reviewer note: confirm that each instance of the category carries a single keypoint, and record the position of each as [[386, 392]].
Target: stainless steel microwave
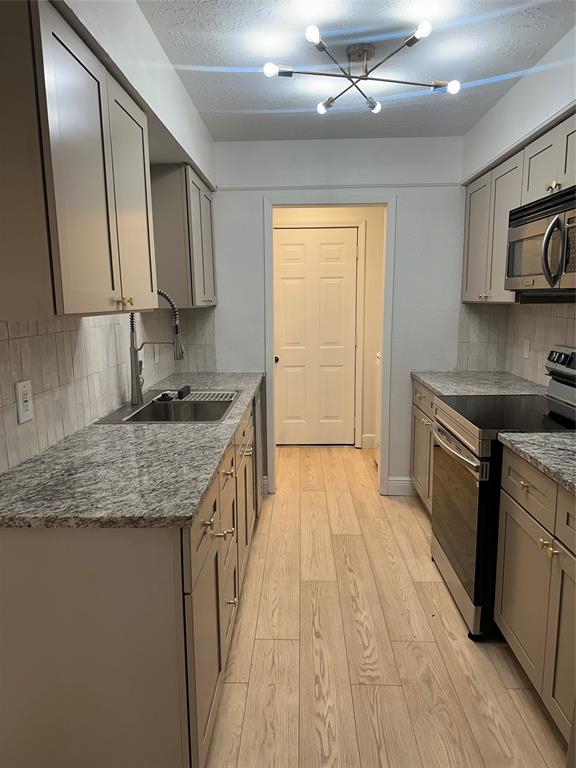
[[542, 246]]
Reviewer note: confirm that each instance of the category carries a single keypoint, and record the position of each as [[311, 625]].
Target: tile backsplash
[[79, 370], [492, 337]]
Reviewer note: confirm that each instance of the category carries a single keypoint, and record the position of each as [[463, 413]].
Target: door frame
[[323, 197], [359, 225]]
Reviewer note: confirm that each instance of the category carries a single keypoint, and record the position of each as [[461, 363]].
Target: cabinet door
[[209, 286], [560, 665], [421, 454], [506, 194], [250, 491], [566, 175], [540, 166], [206, 653], [228, 603], [241, 513], [74, 95], [522, 586], [131, 167], [476, 238]]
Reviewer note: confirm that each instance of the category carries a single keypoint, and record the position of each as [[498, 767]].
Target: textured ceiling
[[219, 46]]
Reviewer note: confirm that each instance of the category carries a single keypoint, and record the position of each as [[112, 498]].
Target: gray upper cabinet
[[489, 201], [476, 237], [82, 242], [132, 196], [550, 162], [505, 194], [183, 229]]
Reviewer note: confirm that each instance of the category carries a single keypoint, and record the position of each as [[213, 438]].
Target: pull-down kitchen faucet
[[136, 378]]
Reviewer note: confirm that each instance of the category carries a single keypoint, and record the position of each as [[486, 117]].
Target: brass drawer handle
[[550, 552], [232, 602], [524, 485], [228, 472], [208, 523], [249, 452], [224, 534], [543, 543]]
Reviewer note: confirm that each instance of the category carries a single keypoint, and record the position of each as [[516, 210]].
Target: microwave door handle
[[550, 278], [472, 464]]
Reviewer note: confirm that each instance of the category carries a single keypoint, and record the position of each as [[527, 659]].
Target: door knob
[[276, 358]]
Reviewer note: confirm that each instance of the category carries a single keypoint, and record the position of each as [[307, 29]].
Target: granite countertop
[[477, 383], [126, 475], [553, 453]]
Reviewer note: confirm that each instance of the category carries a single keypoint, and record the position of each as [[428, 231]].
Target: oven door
[[455, 505], [535, 254]]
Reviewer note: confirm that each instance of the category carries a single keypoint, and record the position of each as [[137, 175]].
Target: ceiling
[[219, 46]]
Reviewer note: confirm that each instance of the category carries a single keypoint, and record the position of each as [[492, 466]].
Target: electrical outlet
[[156, 353], [526, 349], [24, 403]]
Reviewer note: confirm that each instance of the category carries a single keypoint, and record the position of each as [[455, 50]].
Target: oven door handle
[[472, 464]]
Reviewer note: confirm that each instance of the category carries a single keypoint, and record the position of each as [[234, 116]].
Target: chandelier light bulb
[[423, 30], [376, 107], [453, 87], [270, 69], [324, 106], [313, 34]]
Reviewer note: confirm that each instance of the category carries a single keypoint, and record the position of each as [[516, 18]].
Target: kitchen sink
[[199, 406]]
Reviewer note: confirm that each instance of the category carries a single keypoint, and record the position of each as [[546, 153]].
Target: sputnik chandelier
[[361, 54]]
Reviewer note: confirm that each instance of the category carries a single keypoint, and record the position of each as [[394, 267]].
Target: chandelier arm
[[366, 78], [347, 75], [372, 68]]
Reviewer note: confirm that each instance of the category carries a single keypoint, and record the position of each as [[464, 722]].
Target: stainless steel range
[[466, 481]]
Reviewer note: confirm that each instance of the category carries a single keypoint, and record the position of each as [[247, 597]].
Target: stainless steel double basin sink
[[199, 406]]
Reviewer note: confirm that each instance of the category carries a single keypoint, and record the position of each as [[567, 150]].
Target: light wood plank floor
[[348, 651]]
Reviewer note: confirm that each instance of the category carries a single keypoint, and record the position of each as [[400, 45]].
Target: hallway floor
[[348, 650]]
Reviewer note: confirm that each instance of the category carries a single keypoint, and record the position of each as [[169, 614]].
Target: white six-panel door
[[315, 335]]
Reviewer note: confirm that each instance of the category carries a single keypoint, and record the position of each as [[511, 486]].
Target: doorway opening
[[327, 307]]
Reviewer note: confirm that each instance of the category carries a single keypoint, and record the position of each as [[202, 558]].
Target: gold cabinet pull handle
[[230, 531], [208, 523], [524, 485], [543, 543], [249, 452], [550, 552], [232, 602], [228, 472]]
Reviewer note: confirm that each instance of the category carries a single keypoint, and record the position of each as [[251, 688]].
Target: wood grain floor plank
[[385, 734], [311, 470], [370, 655], [278, 613], [288, 471], [286, 503], [333, 467], [367, 503], [265, 517], [413, 542], [227, 734], [499, 731], [270, 732], [316, 554], [421, 513], [355, 469], [242, 645], [342, 514], [548, 739], [327, 724], [442, 731], [404, 615], [510, 671], [370, 464]]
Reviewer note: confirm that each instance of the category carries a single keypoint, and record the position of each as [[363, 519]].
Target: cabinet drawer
[[566, 519], [423, 398], [227, 470], [530, 488], [244, 428], [228, 603], [196, 544]]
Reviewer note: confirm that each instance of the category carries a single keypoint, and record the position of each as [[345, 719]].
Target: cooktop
[[512, 413]]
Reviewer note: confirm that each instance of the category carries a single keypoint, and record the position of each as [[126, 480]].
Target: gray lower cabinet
[[245, 483], [535, 605], [183, 231], [422, 452]]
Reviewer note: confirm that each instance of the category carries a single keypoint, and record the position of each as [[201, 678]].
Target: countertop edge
[[508, 440]]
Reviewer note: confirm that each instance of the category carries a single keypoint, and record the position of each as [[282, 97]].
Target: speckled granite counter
[[126, 475], [554, 454], [477, 383]]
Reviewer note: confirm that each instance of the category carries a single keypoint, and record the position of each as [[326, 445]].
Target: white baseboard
[[368, 441], [400, 486]]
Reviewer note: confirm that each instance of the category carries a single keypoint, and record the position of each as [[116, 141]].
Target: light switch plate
[[24, 402], [526, 349]]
